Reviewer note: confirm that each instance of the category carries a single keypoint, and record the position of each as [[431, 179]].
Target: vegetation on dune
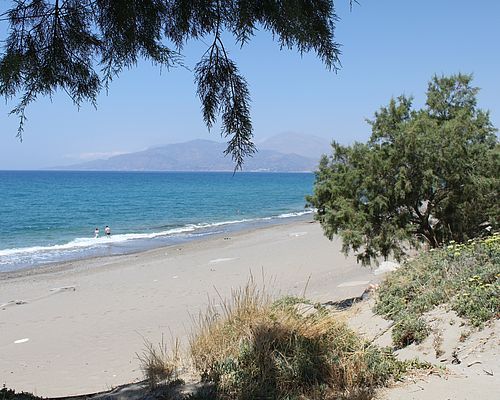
[[255, 348], [425, 176], [9, 394], [159, 364], [467, 276]]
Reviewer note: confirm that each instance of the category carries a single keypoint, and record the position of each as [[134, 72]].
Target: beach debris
[[386, 266], [297, 234], [474, 363], [63, 289], [353, 283], [455, 360], [175, 277], [219, 260], [13, 303], [21, 340], [372, 287]]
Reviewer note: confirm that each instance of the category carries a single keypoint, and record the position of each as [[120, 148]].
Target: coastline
[[55, 218], [88, 261], [85, 321], [133, 243]]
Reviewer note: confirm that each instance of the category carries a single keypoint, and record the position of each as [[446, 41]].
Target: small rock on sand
[[386, 266]]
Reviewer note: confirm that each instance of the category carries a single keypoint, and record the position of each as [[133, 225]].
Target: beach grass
[[159, 364], [251, 347], [466, 276]]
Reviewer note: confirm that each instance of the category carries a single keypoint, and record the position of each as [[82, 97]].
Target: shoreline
[[58, 214], [77, 327], [96, 260], [169, 241]]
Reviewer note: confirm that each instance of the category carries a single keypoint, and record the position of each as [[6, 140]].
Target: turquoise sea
[[50, 216]]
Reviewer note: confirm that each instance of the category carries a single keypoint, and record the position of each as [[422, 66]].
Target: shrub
[[479, 299], [465, 275], [253, 348], [409, 329]]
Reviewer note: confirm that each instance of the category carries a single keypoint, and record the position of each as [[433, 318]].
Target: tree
[[79, 46], [424, 176]]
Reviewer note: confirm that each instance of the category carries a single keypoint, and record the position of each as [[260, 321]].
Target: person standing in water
[[107, 231], [96, 232]]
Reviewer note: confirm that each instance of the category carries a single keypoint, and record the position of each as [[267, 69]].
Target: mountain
[[198, 155], [295, 143]]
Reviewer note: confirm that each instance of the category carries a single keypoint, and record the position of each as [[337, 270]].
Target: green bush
[[465, 275], [409, 329], [479, 299]]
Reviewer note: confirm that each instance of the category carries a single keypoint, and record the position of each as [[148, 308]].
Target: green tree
[[424, 176], [79, 46]]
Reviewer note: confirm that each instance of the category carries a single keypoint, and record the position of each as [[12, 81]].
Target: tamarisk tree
[[425, 176], [79, 46]]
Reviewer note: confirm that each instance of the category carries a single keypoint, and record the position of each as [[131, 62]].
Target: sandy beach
[[77, 327]]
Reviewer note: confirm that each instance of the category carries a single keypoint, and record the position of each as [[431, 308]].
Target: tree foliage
[[425, 176], [79, 46]]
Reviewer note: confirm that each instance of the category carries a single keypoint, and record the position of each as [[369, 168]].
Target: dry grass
[[252, 348], [159, 364]]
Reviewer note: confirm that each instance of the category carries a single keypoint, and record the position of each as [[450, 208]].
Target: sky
[[388, 48]]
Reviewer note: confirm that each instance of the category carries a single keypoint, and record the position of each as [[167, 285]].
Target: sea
[[50, 216]]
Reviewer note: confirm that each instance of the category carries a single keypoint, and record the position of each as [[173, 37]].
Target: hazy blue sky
[[389, 48]]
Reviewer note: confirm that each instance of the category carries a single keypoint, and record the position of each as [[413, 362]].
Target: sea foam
[[79, 247]]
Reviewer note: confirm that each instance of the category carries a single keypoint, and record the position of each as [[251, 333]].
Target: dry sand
[[469, 357], [76, 327]]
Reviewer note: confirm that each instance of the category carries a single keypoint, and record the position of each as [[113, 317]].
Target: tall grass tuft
[[159, 364], [252, 348]]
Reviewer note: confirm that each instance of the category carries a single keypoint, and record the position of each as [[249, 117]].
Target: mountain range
[[287, 152]]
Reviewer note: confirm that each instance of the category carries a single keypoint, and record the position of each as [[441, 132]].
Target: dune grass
[[467, 276], [160, 365], [250, 347]]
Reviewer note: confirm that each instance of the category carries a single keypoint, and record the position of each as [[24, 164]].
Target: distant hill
[[198, 155], [295, 143]]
